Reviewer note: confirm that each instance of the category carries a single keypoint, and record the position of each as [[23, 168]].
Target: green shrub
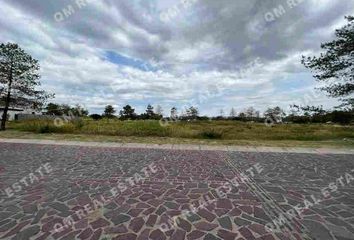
[[44, 129], [96, 117], [79, 124], [342, 117], [212, 134]]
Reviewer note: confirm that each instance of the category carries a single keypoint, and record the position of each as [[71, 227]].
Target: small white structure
[[13, 111]]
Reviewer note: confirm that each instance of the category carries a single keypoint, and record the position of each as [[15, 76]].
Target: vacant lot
[[216, 131]]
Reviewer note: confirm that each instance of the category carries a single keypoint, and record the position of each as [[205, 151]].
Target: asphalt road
[[72, 192]]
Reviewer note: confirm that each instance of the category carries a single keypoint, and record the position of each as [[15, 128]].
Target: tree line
[[273, 115]]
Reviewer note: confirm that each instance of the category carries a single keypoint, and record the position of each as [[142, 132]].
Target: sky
[[205, 53]]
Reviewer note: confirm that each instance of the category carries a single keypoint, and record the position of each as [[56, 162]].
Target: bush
[[44, 129], [79, 124], [211, 134], [342, 117], [96, 117]]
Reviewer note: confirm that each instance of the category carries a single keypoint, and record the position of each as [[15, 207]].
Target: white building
[[13, 111]]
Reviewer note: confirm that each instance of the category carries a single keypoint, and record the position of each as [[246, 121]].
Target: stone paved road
[[82, 178]]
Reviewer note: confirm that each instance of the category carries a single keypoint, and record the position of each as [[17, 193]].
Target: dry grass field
[[208, 132]]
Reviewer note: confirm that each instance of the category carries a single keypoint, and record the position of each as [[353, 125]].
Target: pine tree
[[150, 111], [336, 65], [128, 112], [19, 78]]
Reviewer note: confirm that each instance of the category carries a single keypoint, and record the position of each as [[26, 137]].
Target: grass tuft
[[212, 134]]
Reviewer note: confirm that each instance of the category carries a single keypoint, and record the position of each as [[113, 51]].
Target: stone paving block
[[184, 180]]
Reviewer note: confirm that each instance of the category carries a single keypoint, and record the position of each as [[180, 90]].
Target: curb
[[323, 151]]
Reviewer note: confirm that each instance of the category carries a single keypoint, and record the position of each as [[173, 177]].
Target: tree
[[109, 111], [150, 111], [314, 110], [221, 115], [274, 114], [294, 110], [192, 113], [64, 109], [336, 65], [128, 112], [342, 117], [96, 117], [242, 116], [233, 113], [53, 109], [221, 112], [174, 113], [348, 105], [78, 111], [19, 77], [252, 113]]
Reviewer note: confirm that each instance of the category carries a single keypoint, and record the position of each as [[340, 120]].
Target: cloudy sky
[[213, 54]]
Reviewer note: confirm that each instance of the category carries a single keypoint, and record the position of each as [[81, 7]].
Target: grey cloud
[[235, 24], [211, 36], [226, 21]]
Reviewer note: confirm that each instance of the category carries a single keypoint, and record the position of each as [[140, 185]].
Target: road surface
[[80, 192]]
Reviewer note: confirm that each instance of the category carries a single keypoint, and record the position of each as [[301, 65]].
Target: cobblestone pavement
[[155, 207]]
